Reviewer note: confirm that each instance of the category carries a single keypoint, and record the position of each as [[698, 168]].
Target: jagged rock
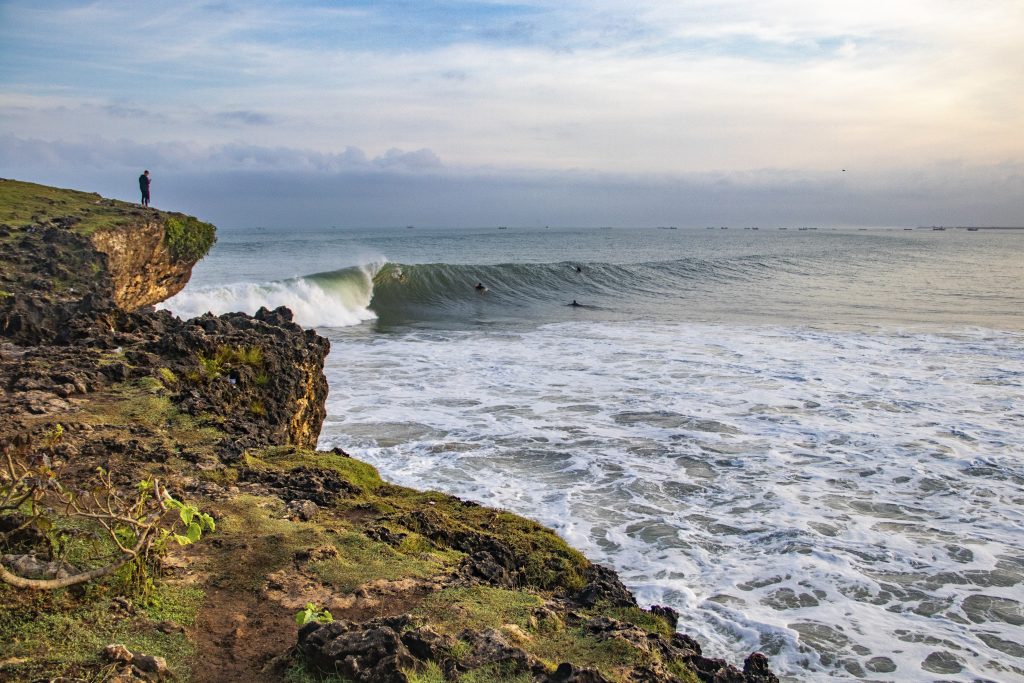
[[756, 669], [320, 486], [604, 585], [567, 673], [491, 648], [427, 644], [668, 614], [371, 652]]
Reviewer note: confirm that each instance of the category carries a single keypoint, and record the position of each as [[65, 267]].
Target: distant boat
[[502, 227], [911, 229], [934, 227], [409, 227], [783, 228], [755, 228], [972, 229]]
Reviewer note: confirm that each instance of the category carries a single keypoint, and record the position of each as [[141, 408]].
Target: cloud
[[243, 118], [85, 157]]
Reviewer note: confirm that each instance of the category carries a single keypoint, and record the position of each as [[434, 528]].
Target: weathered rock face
[[263, 374], [142, 270]]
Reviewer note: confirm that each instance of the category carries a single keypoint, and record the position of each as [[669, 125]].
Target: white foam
[[315, 303], [828, 497]]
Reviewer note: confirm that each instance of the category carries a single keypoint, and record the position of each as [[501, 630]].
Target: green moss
[[648, 621], [494, 673], [682, 671], [167, 377], [356, 472], [188, 239], [301, 672], [480, 607], [268, 542], [547, 562], [361, 560]]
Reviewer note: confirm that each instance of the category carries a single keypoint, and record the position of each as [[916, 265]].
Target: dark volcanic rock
[[603, 585], [320, 486], [370, 652]]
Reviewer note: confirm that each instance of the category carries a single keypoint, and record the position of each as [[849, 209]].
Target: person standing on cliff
[[144, 181]]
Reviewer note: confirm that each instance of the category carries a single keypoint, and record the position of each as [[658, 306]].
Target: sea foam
[[847, 502]]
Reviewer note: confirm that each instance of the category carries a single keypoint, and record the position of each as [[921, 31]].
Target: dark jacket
[[144, 183]]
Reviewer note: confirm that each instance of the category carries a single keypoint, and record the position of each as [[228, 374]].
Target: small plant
[[210, 368], [262, 379], [313, 613], [135, 525], [167, 376], [257, 408], [195, 522]]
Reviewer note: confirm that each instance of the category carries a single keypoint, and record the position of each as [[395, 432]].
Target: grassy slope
[[24, 203]]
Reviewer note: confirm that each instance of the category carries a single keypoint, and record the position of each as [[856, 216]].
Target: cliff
[[106, 400]]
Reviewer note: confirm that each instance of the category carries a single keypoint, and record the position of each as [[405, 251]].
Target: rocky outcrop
[[139, 262]]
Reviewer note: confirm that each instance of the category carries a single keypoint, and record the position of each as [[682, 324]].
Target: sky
[[560, 112]]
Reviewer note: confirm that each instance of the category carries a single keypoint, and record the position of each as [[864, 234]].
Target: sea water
[[808, 442]]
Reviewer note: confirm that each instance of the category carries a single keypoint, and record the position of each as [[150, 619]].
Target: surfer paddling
[[479, 287]]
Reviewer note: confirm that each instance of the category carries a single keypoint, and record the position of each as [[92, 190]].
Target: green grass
[[361, 560], [360, 474], [24, 203], [480, 607], [270, 542], [53, 635]]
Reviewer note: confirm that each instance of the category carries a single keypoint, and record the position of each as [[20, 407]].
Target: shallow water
[[810, 444]]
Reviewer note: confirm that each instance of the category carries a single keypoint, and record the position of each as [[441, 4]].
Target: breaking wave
[[349, 296]]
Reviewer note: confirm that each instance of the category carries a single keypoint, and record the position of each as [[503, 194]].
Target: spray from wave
[[335, 299]]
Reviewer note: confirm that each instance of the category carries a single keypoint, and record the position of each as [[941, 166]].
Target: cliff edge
[[104, 400]]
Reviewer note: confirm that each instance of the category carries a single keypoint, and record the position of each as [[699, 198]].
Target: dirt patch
[[237, 635]]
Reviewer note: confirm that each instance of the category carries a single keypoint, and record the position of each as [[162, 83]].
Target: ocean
[[809, 442]]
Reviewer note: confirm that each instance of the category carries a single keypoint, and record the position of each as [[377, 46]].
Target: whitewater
[[809, 444]]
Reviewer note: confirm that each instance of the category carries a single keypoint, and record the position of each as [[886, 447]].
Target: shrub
[[188, 238]]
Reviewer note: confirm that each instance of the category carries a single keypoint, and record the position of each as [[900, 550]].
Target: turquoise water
[[810, 443]]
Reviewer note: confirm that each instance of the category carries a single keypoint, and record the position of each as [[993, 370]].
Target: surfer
[[574, 304], [479, 287], [579, 269]]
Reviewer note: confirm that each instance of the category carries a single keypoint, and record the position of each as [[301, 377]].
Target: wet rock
[[882, 665], [756, 669]]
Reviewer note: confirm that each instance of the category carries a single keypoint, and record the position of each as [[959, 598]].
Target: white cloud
[[654, 87]]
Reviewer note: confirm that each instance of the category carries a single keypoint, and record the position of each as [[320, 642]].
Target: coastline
[[226, 411]]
